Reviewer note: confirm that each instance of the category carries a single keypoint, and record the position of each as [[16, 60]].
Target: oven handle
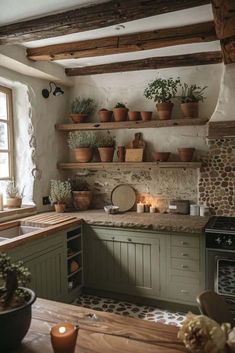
[[216, 284]]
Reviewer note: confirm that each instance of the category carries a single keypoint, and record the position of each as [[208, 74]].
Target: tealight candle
[[1, 202], [140, 207], [152, 209], [64, 337]]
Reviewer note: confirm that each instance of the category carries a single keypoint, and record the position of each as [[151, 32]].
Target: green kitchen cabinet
[[122, 261]]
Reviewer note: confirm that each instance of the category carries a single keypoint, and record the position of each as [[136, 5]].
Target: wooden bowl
[[161, 156]]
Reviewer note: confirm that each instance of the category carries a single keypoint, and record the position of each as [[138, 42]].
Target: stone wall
[[217, 177]]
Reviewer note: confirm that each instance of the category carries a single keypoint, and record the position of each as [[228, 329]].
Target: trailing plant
[[162, 90], [81, 139], [60, 191], [192, 93], [120, 105], [78, 184], [105, 140], [83, 106], [14, 276], [12, 190]]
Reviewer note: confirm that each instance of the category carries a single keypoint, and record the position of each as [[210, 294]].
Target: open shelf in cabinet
[[139, 124]]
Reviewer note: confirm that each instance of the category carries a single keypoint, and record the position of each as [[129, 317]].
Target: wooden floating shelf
[[139, 124], [130, 165]]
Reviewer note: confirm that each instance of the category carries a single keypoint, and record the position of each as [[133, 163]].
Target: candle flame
[[62, 329]]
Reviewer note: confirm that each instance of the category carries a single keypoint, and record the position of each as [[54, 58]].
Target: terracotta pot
[[164, 110], [105, 115], [14, 202], [190, 110], [133, 116], [161, 156], [106, 154], [186, 154], [82, 199], [146, 116], [83, 155], [60, 207], [120, 114], [78, 118]]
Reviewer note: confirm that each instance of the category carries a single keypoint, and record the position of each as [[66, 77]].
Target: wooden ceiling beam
[[89, 18], [196, 33], [224, 16], [150, 63]]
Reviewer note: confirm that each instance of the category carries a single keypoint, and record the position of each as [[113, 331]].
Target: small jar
[[194, 210]]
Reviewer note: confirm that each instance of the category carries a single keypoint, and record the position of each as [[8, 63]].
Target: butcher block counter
[[99, 332]]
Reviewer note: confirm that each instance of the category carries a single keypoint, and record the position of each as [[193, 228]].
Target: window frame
[[10, 132]]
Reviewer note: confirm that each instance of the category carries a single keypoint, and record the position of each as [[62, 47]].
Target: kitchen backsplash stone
[[217, 177]]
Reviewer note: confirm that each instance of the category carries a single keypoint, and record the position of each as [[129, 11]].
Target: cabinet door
[[122, 262]]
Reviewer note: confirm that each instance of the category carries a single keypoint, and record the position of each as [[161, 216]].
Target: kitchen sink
[[16, 231]]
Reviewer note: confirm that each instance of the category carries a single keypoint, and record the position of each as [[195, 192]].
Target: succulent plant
[[60, 191], [83, 106], [192, 93], [12, 190], [81, 139], [105, 140], [162, 90]]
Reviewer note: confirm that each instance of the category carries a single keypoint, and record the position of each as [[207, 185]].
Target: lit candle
[[152, 209], [140, 207], [1, 202], [146, 207], [64, 337]]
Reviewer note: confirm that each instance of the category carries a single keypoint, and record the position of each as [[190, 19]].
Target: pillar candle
[[1, 202], [152, 209], [64, 337], [140, 207]]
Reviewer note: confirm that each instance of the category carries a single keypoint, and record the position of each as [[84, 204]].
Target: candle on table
[[152, 209], [1, 202], [140, 207], [64, 337], [146, 207]]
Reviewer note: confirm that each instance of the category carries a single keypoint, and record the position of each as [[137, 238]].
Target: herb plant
[[78, 184], [120, 105], [162, 90], [83, 106], [12, 190], [192, 93], [60, 191], [105, 140], [81, 139]]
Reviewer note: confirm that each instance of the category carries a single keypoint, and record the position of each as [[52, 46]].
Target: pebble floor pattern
[[132, 310]]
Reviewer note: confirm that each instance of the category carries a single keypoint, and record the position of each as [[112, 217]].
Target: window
[[6, 134]]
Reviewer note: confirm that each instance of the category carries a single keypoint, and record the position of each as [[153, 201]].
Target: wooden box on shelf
[[134, 154]]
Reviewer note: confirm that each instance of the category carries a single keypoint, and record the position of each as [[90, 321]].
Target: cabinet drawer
[[187, 265], [185, 253], [184, 291], [185, 241]]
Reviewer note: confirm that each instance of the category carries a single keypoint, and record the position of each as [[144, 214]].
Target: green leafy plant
[[12, 190], [60, 191], [14, 277], [81, 139], [78, 184], [105, 140], [162, 90], [192, 93], [83, 106], [120, 105]]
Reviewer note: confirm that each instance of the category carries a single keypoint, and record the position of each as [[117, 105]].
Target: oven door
[[224, 275]]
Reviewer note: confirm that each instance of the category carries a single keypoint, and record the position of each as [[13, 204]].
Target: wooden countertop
[[99, 332]]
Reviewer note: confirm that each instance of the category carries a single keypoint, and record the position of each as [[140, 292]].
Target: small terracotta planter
[[106, 154], [105, 115], [60, 207], [78, 118], [186, 154], [14, 202], [190, 110], [164, 110], [83, 155], [120, 114], [82, 199], [161, 156], [146, 116], [133, 116]]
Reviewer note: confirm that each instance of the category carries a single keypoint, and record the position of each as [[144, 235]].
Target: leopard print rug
[[143, 312]]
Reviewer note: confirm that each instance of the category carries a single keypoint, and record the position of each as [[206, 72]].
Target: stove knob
[[218, 240], [229, 242]]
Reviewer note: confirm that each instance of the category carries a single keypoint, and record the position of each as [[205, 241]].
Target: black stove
[[220, 233]]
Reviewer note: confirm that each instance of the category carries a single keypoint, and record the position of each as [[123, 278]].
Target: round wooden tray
[[124, 197]]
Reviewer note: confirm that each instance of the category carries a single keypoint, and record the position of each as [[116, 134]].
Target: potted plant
[[191, 95], [60, 193], [162, 91], [106, 144], [105, 115], [82, 143], [82, 196], [120, 112], [14, 196], [81, 108], [15, 303]]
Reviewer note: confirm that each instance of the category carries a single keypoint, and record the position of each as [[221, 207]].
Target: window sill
[[10, 214]]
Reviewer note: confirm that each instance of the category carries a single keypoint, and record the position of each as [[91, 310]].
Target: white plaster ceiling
[[15, 10]]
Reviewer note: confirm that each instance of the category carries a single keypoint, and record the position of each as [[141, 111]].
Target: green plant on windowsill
[[14, 196]]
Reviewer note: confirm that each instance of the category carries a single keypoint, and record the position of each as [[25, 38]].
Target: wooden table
[[99, 332]]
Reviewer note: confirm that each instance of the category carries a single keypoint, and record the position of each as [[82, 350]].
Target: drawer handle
[[184, 266], [183, 291], [184, 243], [184, 254], [113, 238], [129, 239]]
